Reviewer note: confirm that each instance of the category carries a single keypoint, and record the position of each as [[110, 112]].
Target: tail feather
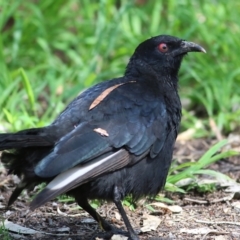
[[24, 150], [17, 191], [14, 141], [27, 138]]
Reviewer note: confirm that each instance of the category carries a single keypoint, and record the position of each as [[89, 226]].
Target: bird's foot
[[116, 231], [112, 230], [109, 235]]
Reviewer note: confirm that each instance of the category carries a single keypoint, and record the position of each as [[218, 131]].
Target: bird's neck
[[163, 76]]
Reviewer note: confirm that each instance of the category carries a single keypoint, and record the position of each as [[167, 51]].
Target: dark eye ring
[[163, 47]]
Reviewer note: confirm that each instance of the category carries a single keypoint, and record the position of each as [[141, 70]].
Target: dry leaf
[[88, 220], [185, 182], [203, 230], [119, 237], [2, 206], [63, 229], [236, 205], [220, 237], [233, 187], [150, 223], [188, 134], [174, 208], [17, 228], [117, 216]]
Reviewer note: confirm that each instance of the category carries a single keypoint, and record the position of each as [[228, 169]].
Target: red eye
[[163, 47]]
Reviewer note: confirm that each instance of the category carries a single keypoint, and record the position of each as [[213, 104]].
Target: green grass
[[4, 234], [190, 170], [52, 50], [55, 49]]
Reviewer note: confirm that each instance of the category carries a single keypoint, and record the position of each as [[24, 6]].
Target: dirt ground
[[212, 216]]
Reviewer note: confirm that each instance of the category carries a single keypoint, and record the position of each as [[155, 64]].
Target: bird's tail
[[26, 138], [24, 150]]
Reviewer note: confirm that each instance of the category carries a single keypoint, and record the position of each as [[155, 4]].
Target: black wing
[[127, 123]]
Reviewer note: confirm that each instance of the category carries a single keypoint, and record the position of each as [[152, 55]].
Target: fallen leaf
[[2, 206], [220, 237], [203, 230], [233, 187], [150, 223], [188, 134], [174, 208], [17, 228], [236, 206], [63, 229], [7, 213], [226, 210], [119, 237], [117, 216], [185, 182], [88, 220]]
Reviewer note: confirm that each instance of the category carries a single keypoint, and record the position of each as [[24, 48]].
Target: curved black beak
[[191, 47], [186, 47]]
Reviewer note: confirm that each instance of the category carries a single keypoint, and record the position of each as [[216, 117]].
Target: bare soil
[[212, 216]]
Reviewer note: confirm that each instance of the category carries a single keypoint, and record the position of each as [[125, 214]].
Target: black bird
[[114, 139]]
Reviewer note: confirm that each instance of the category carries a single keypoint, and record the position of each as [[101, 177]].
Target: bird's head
[[161, 54]]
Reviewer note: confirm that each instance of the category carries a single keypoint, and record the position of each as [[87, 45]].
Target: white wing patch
[[79, 175], [72, 174]]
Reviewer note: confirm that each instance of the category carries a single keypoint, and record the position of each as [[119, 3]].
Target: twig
[[220, 222], [213, 232], [60, 212], [196, 201], [215, 129], [224, 199]]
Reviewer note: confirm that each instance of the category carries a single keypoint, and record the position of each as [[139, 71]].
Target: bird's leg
[[117, 201], [104, 225]]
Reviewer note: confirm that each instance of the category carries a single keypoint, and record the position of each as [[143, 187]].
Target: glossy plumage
[[114, 139]]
